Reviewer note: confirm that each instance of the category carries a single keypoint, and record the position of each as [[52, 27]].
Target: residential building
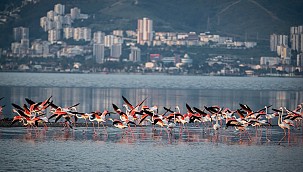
[[116, 50], [46, 23], [15, 47], [54, 36], [145, 31], [68, 32], [20, 33], [118, 33], [270, 61], [135, 54], [296, 38], [110, 40], [98, 53], [278, 40], [99, 37], [82, 33], [59, 9], [40, 48], [75, 13], [50, 15], [67, 20], [300, 60]]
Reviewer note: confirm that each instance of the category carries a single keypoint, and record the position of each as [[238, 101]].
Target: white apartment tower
[[300, 60], [82, 33], [296, 38], [99, 37], [278, 40], [50, 15], [145, 31], [20, 33], [135, 54], [116, 50], [68, 32], [75, 13], [59, 9], [54, 36], [98, 53], [110, 40]]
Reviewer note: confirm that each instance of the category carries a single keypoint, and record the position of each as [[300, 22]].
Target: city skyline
[[111, 47]]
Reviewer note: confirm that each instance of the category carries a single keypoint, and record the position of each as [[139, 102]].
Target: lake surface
[[99, 91], [143, 149]]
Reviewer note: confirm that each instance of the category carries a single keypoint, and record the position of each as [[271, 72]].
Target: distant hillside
[[251, 19]]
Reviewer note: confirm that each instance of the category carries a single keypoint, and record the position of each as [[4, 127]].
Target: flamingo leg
[[288, 136], [282, 137], [105, 131], [266, 132]]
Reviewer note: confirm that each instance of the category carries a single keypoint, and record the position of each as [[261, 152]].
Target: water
[[194, 149], [146, 150], [149, 81], [99, 91]]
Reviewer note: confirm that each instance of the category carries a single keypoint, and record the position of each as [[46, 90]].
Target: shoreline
[[157, 73]]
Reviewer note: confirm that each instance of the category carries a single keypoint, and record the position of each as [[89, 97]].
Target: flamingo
[[282, 124], [216, 126], [119, 124], [238, 126], [132, 111], [99, 117]]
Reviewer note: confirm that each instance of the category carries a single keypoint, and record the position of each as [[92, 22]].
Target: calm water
[[146, 150], [98, 92], [142, 149]]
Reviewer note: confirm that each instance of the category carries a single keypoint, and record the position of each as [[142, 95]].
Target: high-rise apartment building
[[145, 31], [75, 13], [68, 32], [54, 36], [20, 33], [135, 54], [110, 40], [99, 37], [116, 50], [82, 33], [300, 60], [118, 33], [278, 40], [59, 9], [98, 53], [296, 38]]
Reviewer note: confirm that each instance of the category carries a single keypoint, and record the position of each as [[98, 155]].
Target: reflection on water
[[142, 149], [138, 135], [92, 99]]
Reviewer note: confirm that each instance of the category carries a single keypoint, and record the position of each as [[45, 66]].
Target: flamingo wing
[[17, 106], [29, 101], [127, 102], [189, 109], [200, 111]]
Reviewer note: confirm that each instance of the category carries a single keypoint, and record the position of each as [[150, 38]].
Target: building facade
[[20, 33], [116, 50], [145, 31], [296, 38], [135, 54], [98, 53]]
